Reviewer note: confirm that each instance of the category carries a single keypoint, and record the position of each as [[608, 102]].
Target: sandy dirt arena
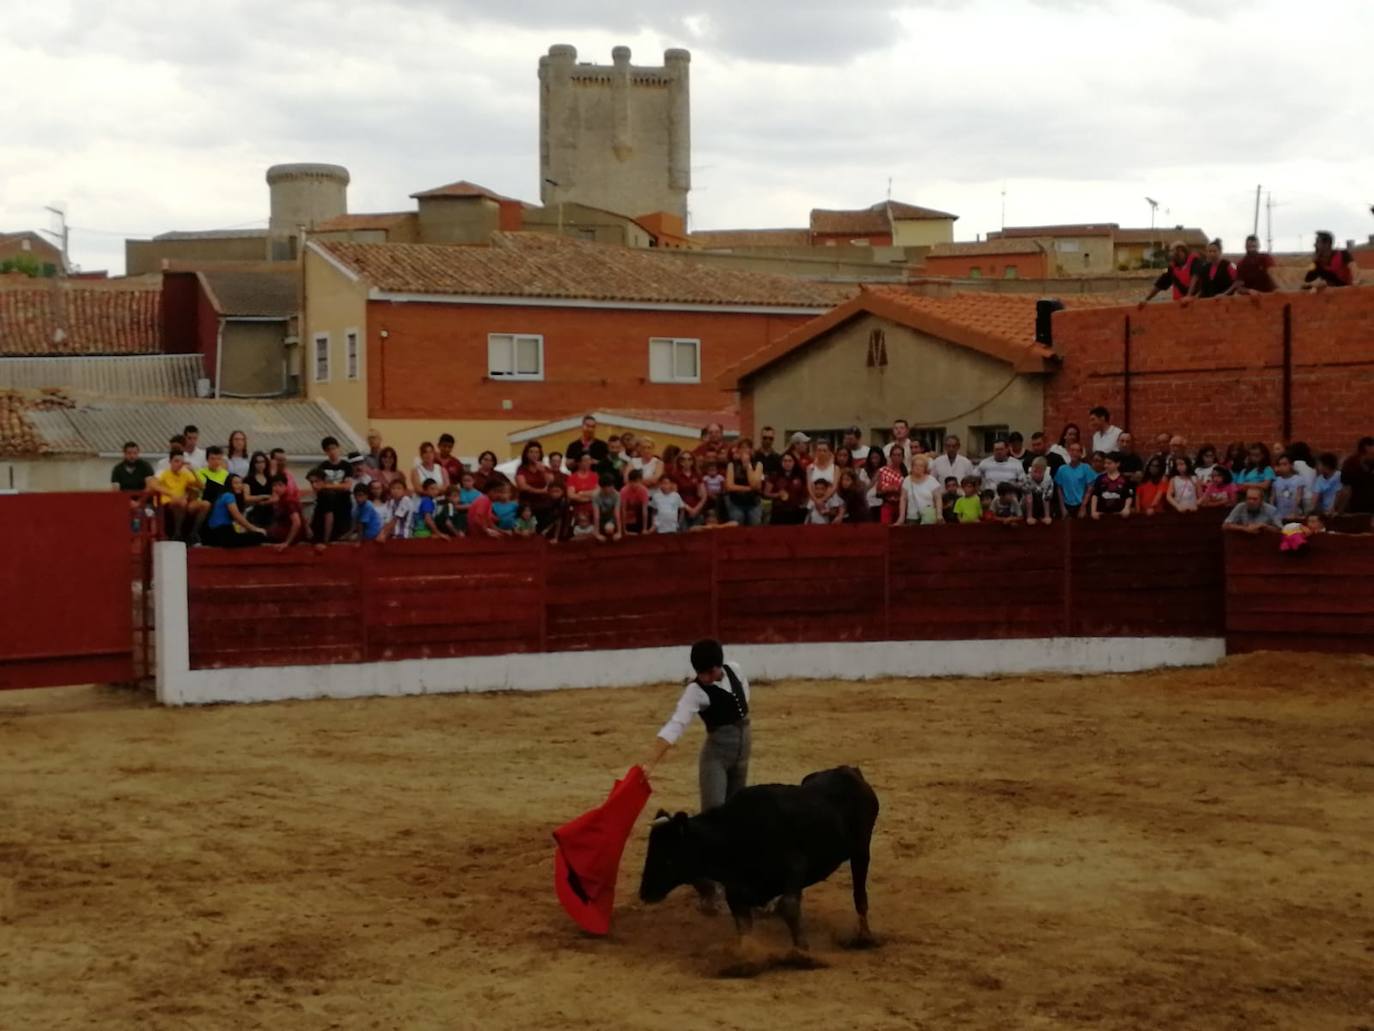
[[1181, 850]]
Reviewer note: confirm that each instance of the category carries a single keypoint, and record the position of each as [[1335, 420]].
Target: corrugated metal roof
[[102, 427], [152, 375]]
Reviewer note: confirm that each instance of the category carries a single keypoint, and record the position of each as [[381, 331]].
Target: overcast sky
[[142, 116]]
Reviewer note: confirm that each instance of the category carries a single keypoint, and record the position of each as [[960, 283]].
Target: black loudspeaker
[[1044, 309]]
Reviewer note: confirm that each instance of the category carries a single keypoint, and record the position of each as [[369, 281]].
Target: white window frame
[[514, 338], [316, 341], [675, 341], [352, 354]]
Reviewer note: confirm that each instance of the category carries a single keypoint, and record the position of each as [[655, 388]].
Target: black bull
[[769, 842]]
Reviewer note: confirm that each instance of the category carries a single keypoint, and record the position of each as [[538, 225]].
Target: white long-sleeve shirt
[[694, 699]]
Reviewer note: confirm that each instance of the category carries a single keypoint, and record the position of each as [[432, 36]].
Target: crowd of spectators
[[1188, 275], [601, 490]]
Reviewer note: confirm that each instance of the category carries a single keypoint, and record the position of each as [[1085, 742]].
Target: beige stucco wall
[[144, 256], [253, 362], [336, 305], [1068, 254], [458, 219], [922, 232], [586, 223], [829, 385]]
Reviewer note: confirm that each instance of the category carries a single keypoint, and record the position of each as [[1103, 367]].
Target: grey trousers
[[724, 764]]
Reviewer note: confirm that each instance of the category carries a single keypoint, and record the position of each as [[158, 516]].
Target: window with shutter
[[672, 360], [515, 356]]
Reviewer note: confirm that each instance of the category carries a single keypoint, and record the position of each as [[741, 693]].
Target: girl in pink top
[[1220, 491]]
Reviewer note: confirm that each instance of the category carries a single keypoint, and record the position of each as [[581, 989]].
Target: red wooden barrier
[[66, 610], [1320, 598], [427, 599]]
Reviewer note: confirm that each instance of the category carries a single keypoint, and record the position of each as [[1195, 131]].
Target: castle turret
[[615, 136], [305, 195]]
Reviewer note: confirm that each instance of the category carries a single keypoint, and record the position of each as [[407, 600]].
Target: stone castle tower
[[615, 136]]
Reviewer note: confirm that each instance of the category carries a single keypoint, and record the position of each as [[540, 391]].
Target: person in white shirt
[[854, 440], [667, 507], [951, 463], [921, 493], [901, 439], [719, 694], [1000, 467], [1105, 435]]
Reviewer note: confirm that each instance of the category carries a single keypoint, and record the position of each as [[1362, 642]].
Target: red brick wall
[[433, 362], [1213, 370], [992, 266]]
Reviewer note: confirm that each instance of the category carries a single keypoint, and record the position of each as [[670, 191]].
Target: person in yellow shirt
[[174, 488]]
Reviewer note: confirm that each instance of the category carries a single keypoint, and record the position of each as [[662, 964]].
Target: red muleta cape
[[587, 859]]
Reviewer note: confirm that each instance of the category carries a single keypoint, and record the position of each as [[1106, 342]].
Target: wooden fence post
[[1068, 627], [541, 580]]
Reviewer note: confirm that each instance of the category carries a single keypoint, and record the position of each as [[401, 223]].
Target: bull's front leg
[[790, 908], [740, 909]]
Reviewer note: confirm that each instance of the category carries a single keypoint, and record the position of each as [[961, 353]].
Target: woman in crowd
[[1070, 435], [844, 459], [557, 467], [533, 479], [823, 468], [1218, 274], [427, 467], [851, 494], [669, 458], [649, 466], [1235, 458], [689, 487], [227, 526], [919, 501], [257, 490], [889, 485], [486, 468], [786, 489], [388, 470], [236, 454], [1204, 463], [743, 482], [868, 476], [1153, 488], [1257, 470], [583, 483]]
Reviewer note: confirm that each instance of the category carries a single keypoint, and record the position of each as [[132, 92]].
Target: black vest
[[726, 707]]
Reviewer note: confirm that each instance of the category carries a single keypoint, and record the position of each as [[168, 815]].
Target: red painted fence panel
[[66, 608]]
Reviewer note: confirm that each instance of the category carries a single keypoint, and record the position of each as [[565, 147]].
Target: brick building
[[1285, 366], [989, 259], [486, 342]]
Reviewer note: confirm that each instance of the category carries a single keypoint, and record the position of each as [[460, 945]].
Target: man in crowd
[[195, 455], [132, 473], [1132, 465], [951, 463], [333, 496], [1161, 451], [1000, 467], [854, 441], [1252, 271], [362, 472], [901, 438], [1184, 268], [766, 453], [1075, 479], [589, 443], [1040, 448], [1105, 435], [374, 449], [288, 522], [453, 468], [799, 446], [1357, 479], [1330, 267], [174, 443], [1253, 514], [213, 475], [714, 440], [173, 487]]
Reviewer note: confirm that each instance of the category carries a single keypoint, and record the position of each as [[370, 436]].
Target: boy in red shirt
[[634, 502]]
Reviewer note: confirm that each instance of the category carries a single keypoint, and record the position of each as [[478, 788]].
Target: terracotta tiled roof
[[867, 221], [1162, 235], [56, 316], [539, 265], [1084, 229], [989, 247], [752, 237], [375, 220], [122, 375], [462, 188], [18, 434], [261, 293], [1001, 326]]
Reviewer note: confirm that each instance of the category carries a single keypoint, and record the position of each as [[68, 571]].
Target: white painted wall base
[[177, 684]]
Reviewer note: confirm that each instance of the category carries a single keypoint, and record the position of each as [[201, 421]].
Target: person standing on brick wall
[[1252, 271], [1184, 267], [1218, 274], [1330, 267]]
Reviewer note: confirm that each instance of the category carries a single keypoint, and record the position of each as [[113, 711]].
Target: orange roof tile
[[1001, 326], [541, 265], [462, 188], [1083, 229], [377, 220], [57, 316], [18, 434], [877, 218]]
